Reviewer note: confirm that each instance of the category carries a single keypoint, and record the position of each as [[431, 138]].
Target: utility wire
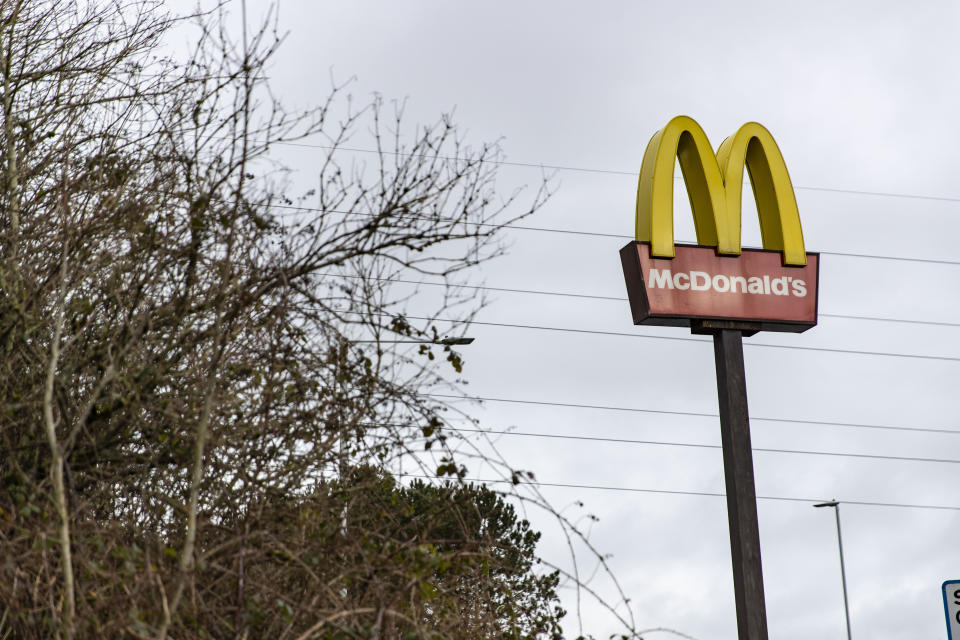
[[852, 425], [692, 445], [596, 234], [567, 294], [557, 167], [620, 334], [838, 454], [711, 494]]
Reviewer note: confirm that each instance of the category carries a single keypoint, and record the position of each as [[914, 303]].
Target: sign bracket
[[708, 327]]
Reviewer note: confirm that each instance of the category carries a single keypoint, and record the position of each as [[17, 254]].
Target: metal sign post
[[718, 288], [741, 492]]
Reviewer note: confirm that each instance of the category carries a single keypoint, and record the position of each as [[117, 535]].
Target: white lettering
[[660, 279], [779, 286], [721, 283], [703, 278]]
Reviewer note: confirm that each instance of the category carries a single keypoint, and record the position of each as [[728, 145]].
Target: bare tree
[[196, 361]]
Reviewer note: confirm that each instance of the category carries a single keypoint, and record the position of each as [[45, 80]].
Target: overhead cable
[[859, 352], [619, 172], [676, 492], [597, 234], [836, 423], [693, 445], [585, 296]]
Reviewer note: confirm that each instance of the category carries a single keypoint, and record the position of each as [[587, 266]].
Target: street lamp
[[444, 341], [843, 574]]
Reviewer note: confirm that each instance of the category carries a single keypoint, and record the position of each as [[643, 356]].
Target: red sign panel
[[699, 284]]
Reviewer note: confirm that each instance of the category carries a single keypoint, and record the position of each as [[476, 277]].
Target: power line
[[597, 234], [505, 163], [933, 323], [571, 405], [620, 334], [689, 445], [585, 296], [557, 167], [838, 454], [869, 256], [676, 492]]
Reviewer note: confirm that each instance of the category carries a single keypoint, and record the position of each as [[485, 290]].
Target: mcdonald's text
[[701, 284], [702, 281]]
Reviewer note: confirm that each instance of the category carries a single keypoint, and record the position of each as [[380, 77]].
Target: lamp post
[[442, 341], [843, 574]]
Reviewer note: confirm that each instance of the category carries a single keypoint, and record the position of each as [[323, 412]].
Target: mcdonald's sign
[[717, 281]]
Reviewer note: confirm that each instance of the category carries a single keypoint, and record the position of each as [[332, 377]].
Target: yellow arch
[[714, 186]]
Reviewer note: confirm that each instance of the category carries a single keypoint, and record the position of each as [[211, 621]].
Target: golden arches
[[714, 186]]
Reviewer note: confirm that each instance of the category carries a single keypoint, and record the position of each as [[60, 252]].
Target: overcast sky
[[863, 99]]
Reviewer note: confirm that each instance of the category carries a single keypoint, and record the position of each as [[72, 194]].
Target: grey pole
[[843, 573]]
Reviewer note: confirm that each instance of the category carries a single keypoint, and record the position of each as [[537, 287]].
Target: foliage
[[483, 559], [390, 561], [193, 358]]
